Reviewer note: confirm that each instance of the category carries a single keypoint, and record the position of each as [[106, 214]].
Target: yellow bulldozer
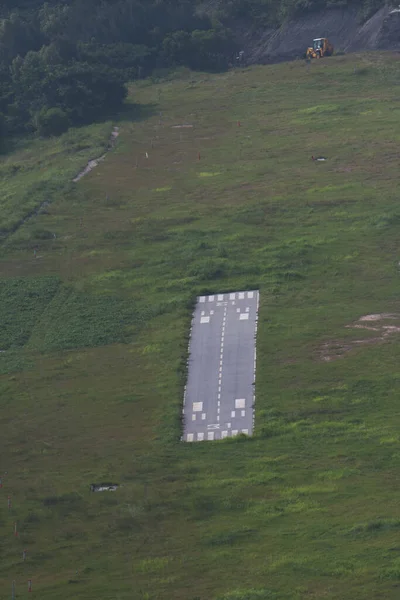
[[321, 47]]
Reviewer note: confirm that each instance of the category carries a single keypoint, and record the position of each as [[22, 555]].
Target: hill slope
[[95, 335], [341, 25]]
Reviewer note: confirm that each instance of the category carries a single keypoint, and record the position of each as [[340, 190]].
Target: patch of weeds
[[203, 507], [65, 504], [208, 269], [392, 571], [41, 234], [228, 538], [75, 320], [320, 109], [14, 361], [22, 302], [152, 565], [387, 220], [252, 594], [335, 474], [375, 526]]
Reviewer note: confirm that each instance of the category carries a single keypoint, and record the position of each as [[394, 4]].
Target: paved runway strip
[[219, 395]]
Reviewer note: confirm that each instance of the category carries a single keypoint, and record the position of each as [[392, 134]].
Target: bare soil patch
[[333, 349]]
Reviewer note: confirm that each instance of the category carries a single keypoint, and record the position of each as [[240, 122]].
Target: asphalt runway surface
[[219, 394]]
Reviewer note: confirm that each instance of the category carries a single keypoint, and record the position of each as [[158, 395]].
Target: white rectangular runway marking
[[224, 434], [202, 299], [241, 295], [245, 431], [250, 294], [240, 402], [193, 417], [211, 298], [190, 437], [243, 413], [200, 437], [197, 407], [203, 417], [220, 297], [243, 316], [204, 319], [233, 414], [234, 431], [210, 435], [232, 296]]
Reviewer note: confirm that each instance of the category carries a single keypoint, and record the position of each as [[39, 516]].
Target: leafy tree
[[2, 132], [177, 48], [211, 49], [51, 121]]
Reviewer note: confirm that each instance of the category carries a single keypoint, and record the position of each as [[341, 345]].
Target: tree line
[[67, 62]]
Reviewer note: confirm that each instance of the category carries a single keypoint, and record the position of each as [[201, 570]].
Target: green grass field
[[94, 334]]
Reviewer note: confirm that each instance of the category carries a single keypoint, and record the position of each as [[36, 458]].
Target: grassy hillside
[[92, 376]]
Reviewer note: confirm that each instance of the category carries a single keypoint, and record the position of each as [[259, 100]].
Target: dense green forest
[[66, 63]]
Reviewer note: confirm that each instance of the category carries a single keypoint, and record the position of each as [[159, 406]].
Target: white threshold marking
[[200, 437], [233, 414], [241, 295], [211, 298], [244, 317], [202, 299], [210, 435], [224, 434], [220, 297], [189, 437], [232, 296], [240, 402], [203, 416], [234, 431], [197, 407], [204, 319], [243, 413], [250, 294]]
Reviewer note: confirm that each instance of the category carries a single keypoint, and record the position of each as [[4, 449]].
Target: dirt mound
[[341, 26]]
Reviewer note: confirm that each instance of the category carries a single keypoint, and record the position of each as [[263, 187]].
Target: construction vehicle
[[321, 47]]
